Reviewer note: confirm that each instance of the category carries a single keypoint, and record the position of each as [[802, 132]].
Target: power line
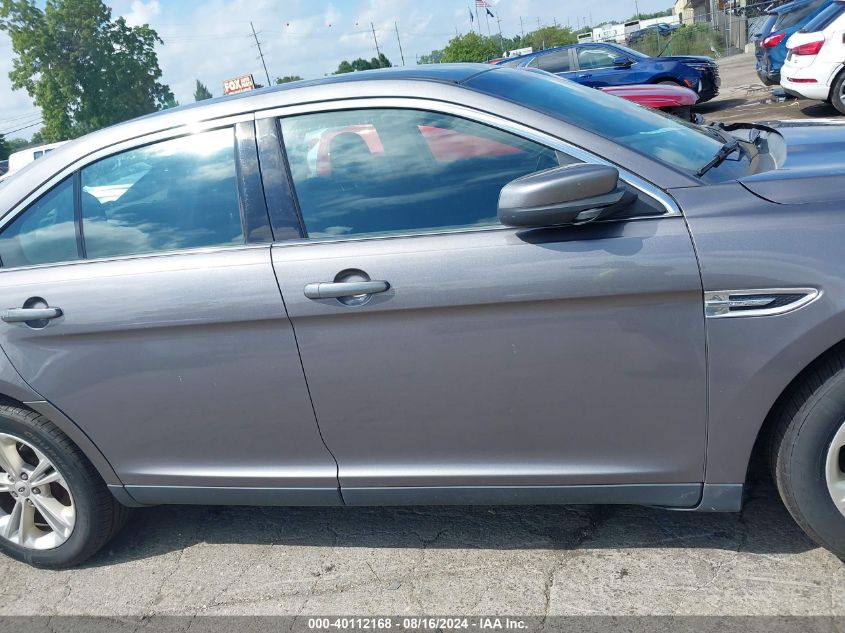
[[26, 127], [260, 54]]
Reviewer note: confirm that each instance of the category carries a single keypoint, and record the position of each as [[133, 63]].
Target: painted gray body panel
[[560, 357], [504, 366], [181, 368], [745, 242]]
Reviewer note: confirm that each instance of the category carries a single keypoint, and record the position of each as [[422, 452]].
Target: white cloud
[[143, 12]]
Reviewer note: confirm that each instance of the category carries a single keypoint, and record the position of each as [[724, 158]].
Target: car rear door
[[162, 332], [451, 359]]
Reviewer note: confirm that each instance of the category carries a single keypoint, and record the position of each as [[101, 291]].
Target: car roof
[[443, 73]]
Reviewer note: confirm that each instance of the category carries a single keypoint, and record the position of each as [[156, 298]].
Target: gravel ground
[[470, 561]]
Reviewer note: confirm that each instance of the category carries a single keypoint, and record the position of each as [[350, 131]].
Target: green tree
[[549, 37], [5, 148], [434, 57], [287, 79], [362, 64], [201, 93], [471, 47], [83, 69], [168, 101]]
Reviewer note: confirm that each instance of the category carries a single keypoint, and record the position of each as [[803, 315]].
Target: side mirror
[[623, 62], [574, 194]]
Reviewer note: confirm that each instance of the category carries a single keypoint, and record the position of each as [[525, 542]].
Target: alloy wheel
[[37, 510], [835, 469]]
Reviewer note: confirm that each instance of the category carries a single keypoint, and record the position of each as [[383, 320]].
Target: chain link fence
[[727, 31]]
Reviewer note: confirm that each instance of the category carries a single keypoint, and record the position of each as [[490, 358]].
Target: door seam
[[305, 378]]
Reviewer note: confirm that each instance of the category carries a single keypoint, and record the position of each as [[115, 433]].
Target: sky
[[211, 40]]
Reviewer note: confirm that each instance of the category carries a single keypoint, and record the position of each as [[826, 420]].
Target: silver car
[[445, 285]]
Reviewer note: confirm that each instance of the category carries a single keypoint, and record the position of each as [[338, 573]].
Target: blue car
[[609, 64], [781, 23]]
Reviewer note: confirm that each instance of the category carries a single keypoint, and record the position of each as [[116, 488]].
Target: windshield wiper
[[726, 150]]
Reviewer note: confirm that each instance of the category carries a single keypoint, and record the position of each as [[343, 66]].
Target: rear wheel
[[837, 94], [55, 509], [808, 455]]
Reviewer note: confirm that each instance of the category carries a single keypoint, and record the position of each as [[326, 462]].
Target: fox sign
[[238, 84]]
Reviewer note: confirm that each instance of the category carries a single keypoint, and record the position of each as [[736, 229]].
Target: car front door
[[596, 67], [451, 359], [164, 336]]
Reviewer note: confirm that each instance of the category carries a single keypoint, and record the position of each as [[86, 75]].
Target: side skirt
[[690, 497]]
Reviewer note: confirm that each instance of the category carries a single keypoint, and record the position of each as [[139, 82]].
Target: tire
[[837, 93], [811, 417], [97, 516]]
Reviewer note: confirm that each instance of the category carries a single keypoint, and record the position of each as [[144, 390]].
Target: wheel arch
[[760, 450], [834, 80], [68, 427]]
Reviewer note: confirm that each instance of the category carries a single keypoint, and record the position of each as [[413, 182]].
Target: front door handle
[[338, 290], [585, 75], [25, 315]]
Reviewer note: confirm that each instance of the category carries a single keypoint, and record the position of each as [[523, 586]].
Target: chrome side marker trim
[[721, 304]]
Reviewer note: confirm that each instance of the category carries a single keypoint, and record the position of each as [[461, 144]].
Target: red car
[[669, 98]]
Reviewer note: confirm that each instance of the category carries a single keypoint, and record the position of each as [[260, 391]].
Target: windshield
[[658, 136], [825, 18]]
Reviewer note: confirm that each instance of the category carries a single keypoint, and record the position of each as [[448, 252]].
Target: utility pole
[[401, 54], [637, 5], [501, 37], [521, 28], [375, 39], [260, 54]]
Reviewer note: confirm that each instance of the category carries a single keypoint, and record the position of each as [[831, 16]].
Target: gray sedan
[[444, 285]]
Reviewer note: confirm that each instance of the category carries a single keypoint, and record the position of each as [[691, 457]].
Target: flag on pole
[[489, 12], [481, 4], [471, 16]]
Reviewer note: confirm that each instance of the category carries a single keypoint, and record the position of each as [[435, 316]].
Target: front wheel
[[55, 509], [808, 455]]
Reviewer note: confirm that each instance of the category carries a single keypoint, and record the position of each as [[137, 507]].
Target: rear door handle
[[339, 290], [24, 315]]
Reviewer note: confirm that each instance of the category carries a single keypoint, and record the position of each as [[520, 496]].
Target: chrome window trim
[[718, 303], [479, 116]]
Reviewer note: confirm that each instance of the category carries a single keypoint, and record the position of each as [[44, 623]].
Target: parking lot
[[611, 560]]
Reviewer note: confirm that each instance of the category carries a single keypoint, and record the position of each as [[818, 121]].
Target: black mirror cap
[[625, 62], [573, 194]]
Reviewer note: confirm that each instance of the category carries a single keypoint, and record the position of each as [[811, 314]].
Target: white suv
[[815, 67]]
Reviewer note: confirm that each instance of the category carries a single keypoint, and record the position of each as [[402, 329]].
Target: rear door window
[[556, 62], [177, 194]]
